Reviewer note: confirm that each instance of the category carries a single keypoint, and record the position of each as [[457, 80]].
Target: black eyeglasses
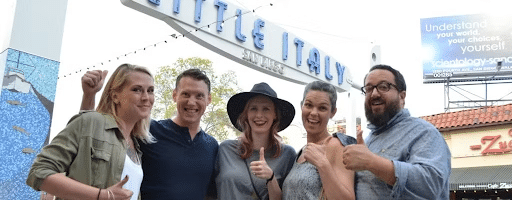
[[381, 87]]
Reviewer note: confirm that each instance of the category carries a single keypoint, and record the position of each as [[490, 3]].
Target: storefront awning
[[481, 178]]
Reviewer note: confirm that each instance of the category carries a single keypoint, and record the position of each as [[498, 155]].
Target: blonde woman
[[97, 155]]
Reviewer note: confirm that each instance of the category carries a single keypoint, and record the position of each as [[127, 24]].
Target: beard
[[390, 110]]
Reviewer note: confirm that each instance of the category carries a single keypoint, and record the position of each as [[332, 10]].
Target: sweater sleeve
[[57, 156]]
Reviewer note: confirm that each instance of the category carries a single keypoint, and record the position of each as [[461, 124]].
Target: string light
[[174, 36]]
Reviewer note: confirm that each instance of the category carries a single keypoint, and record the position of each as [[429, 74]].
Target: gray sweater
[[233, 181]]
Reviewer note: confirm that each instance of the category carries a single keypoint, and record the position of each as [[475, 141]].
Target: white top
[[135, 175]]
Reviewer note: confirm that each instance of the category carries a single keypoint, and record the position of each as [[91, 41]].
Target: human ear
[[334, 112], [174, 94]]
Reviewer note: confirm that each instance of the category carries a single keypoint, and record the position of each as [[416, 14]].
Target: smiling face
[[135, 100], [316, 112], [191, 97], [261, 114], [380, 107]]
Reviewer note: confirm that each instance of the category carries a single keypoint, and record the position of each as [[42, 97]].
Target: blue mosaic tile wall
[[26, 119]]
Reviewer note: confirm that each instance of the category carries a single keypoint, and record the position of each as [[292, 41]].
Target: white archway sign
[[248, 40]]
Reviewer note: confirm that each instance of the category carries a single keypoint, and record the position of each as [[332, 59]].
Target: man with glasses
[[403, 157]]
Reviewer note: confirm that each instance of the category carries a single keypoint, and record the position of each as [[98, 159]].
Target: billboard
[[467, 47]]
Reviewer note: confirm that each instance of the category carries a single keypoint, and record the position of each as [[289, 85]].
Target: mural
[[26, 107]]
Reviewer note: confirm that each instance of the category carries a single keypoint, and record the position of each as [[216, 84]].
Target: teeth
[[259, 122], [190, 110], [377, 102]]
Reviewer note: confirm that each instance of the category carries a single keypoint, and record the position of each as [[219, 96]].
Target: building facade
[[480, 141]]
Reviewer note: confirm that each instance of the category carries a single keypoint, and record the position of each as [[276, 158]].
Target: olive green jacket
[[90, 150]]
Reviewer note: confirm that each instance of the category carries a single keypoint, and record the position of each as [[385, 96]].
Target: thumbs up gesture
[[315, 154], [357, 156], [359, 137], [260, 168], [119, 192]]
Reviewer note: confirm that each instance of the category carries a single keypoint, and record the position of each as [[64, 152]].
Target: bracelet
[[108, 194], [111, 193], [271, 177], [99, 192]]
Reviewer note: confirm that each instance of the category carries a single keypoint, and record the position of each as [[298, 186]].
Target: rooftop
[[484, 116]]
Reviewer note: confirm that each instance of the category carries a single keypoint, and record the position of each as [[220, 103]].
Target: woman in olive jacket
[[88, 159]]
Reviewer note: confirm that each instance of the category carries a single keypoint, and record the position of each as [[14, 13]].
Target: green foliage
[[215, 120]]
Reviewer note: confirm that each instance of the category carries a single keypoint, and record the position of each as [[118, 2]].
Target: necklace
[[132, 154]]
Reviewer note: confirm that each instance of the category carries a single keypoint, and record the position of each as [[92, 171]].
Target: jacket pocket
[[100, 155], [100, 164]]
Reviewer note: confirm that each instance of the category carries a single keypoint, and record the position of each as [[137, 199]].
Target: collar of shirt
[[183, 132], [403, 114]]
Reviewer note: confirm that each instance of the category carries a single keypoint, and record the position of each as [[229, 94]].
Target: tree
[[215, 120]]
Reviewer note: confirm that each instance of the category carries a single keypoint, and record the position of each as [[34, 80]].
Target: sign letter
[[341, 69], [238, 26], [328, 75], [156, 2], [299, 44], [314, 61], [285, 46], [488, 149], [256, 33], [199, 5], [176, 6], [220, 14]]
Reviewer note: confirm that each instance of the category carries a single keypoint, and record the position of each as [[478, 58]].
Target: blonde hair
[[116, 83]]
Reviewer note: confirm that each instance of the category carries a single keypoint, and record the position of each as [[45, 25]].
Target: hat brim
[[237, 102]]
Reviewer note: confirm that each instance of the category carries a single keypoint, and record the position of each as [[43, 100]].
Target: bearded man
[[403, 157]]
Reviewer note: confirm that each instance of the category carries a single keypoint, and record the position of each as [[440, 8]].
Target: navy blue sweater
[[177, 167]]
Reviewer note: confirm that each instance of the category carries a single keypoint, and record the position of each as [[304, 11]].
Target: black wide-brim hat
[[237, 102]]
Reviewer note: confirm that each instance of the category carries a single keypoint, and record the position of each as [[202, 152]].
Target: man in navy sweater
[[180, 164]]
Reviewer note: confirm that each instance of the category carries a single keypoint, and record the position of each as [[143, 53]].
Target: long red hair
[[246, 139]]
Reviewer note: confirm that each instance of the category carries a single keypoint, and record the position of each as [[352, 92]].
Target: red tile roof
[[484, 116]]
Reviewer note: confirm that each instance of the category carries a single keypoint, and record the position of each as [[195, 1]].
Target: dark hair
[[399, 79], [246, 137], [196, 74], [324, 87]]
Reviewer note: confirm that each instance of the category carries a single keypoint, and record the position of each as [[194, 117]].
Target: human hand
[[315, 154], [118, 192], [92, 81], [260, 168], [357, 156]]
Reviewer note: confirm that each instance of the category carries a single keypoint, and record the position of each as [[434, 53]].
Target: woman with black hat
[[255, 165]]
